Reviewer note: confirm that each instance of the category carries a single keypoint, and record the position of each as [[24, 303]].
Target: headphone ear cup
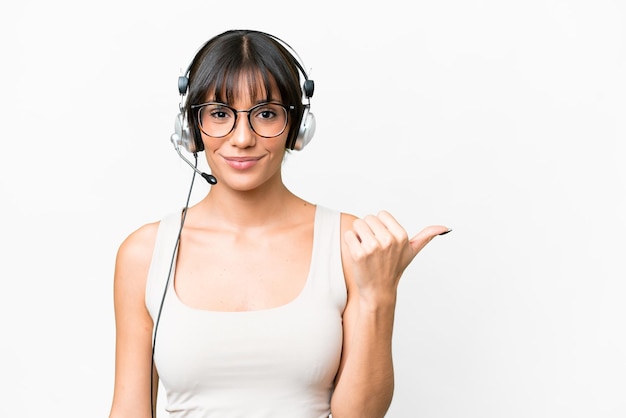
[[183, 135], [306, 131]]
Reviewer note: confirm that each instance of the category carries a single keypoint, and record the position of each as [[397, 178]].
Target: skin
[[251, 214]]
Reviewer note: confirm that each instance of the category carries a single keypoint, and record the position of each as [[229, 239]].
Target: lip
[[241, 163]]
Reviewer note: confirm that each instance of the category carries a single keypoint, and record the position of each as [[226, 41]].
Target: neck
[[261, 207]]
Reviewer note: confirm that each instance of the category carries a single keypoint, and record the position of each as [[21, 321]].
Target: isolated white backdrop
[[503, 119]]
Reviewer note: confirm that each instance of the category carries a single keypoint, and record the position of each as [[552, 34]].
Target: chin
[[246, 183]]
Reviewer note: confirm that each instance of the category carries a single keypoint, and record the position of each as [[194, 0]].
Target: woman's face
[[243, 160]]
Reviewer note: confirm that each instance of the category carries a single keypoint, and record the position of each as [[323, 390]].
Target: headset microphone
[[175, 138]]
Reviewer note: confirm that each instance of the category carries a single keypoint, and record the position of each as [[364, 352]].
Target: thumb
[[419, 241]]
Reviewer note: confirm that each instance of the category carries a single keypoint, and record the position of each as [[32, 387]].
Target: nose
[[242, 135]]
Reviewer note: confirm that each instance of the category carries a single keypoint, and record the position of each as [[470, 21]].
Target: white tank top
[[278, 362]]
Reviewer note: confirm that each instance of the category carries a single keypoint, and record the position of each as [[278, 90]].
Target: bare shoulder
[[134, 255], [140, 243]]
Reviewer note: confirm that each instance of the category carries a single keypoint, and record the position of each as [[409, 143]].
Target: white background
[[504, 120]]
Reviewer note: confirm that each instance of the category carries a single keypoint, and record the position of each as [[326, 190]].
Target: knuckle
[[369, 218]]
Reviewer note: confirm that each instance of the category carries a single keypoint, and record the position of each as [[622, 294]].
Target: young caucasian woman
[[255, 302]]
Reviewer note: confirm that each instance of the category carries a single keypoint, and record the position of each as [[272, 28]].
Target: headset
[[184, 137]]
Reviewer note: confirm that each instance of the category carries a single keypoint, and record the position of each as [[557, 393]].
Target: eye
[[267, 112], [264, 112], [219, 112], [215, 113]]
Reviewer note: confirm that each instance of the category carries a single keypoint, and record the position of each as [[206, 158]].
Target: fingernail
[[445, 232]]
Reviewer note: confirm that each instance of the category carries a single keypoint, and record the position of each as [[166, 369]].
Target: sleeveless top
[[276, 362]]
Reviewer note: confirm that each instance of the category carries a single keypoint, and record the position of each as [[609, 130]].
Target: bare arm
[[375, 252], [133, 345]]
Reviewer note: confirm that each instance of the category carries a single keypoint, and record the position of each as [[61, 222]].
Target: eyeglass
[[267, 119]]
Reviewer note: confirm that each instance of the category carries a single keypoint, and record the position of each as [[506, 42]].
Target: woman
[[265, 305]]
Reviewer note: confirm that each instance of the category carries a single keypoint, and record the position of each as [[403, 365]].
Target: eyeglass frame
[[287, 108]]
